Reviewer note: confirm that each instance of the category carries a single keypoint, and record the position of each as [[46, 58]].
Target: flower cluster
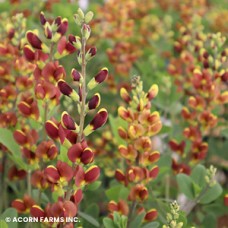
[[131, 28], [173, 216], [186, 8], [200, 72], [14, 69], [16, 81], [65, 175], [138, 154]]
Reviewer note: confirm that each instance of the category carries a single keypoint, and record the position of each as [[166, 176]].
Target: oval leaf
[[185, 185]]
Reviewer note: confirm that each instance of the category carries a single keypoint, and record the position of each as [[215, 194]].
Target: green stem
[[29, 186], [189, 206], [84, 94], [131, 213], [82, 109], [167, 186], [44, 137]]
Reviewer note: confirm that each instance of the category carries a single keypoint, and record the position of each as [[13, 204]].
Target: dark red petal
[[75, 152], [92, 174], [34, 40]]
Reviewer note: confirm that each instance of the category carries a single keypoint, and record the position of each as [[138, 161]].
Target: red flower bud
[[94, 102], [75, 41], [34, 40], [63, 26], [29, 53], [46, 150], [58, 20], [16, 174], [154, 172], [179, 148], [67, 121], [42, 18], [19, 205], [87, 156], [112, 206], [91, 53], [76, 76], [25, 108], [77, 196], [154, 156], [125, 95], [122, 133], [52, 174], [226, 200], [153, 91], [64, 87], [40, 92], [92, 174], [20, 137], [37, 211], [52, 129], [67, 90], [99, 78], [119, 175], [48, 31], [75, 152], [24, 205], [151, 215], [98, 121]]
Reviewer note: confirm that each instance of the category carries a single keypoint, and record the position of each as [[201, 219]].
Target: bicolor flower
[[98, 121], [99, 78]]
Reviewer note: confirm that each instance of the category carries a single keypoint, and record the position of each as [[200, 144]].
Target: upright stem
[[83, 92], [29, 182], [188, 207], [82, 108], [131, 213], [43, 138]]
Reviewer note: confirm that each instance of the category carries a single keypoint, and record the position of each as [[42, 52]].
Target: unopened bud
[[76, 76], [90, 53], [75, 41], [88, 17], [86, 30]]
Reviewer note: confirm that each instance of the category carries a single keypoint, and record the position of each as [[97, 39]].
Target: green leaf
[[108, 223], [113, 192], [211, 194], [198, 175], [44, 197], [9, 213], [185, 185], [89, 219], [137, 221], [123, 194], [92, 210], [210, 220], [6, 138], [117, 192], [123, 222], [116, 218], [95, 185], [197, 189], [151, 225]]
